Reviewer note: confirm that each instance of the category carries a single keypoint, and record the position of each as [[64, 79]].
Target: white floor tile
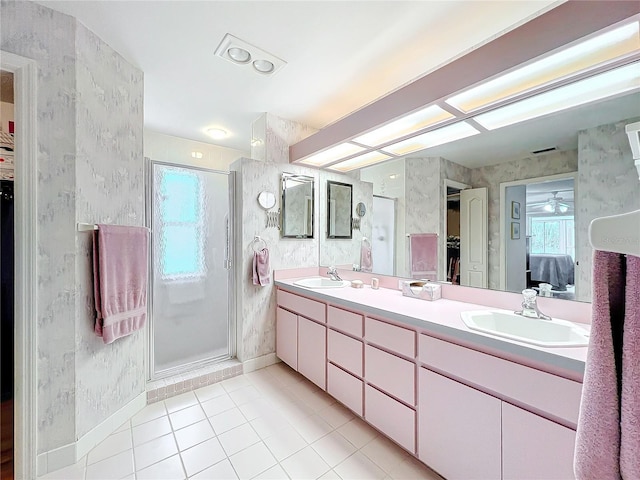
[[384, 453], [72, 472], [209, 392], [238, 439], [181, 401], [244, 394], [167, 469], [358, 432], [358, 466], [258, 407], [193, 434], [252, 460], [330, 475], [220, 471], [110, 446], [218, 405], [412, 469], [235, 383], [202, 456], [150, 430], [285, 443], [305, 464], [333, 448], [118, 466], [284, 374], [154, 451], [125, 426], [148, 413], [188, 416], [269, 425], [336, 415], [274, 473], [312, 428], [225, 421]]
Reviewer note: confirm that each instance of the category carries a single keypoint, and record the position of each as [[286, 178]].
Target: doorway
[[7, 272], [383, 244], [193, 303]]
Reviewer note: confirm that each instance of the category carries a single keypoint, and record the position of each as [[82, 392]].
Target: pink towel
[[630, 395], [120, 269], [366, 262], [597, 455], [423, 255], [261, 269]]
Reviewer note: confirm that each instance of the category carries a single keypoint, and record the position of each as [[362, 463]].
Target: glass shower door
[[192, 301]]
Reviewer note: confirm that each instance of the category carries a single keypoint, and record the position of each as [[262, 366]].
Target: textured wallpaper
[[109, 189], [493, 175], [607, 185]]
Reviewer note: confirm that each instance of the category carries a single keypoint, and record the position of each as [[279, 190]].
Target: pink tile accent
[[309, 308], [391, 417], [345, 352], [345, 388], [397, 339], [348, 322], [392, 374], [312, 351], [296, 273], [287, 337]]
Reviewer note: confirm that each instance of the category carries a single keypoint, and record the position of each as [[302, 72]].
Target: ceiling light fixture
[[196, 154], [433, 138], [332, 154], [217, 133], [404, 126], [579, 58], [614, 82], [360, 161], [242, 53]]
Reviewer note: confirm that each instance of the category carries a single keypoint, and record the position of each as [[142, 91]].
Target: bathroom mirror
[[297, 206], [587, 143], [339, 206]]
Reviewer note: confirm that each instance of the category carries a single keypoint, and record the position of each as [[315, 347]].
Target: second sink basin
[[321, 282], [546, 333]]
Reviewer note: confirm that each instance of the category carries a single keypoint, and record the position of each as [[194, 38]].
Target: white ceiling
[[341, 55]]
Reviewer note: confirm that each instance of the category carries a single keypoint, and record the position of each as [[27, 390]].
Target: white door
[[383, 235], [473, 237]]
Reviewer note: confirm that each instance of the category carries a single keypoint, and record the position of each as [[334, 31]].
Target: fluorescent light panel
[[404, 126], [433, 138], [614, 82], [332, 154], [579, 58], [360, 161]]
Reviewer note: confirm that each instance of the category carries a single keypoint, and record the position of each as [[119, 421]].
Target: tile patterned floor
[[268, 424]]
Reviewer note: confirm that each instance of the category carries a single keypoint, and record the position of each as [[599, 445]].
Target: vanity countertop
[[441, 318]]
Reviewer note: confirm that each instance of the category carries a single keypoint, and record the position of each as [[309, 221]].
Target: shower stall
[[192, 297]]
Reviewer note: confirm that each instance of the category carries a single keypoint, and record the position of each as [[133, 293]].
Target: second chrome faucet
[[530, 307]]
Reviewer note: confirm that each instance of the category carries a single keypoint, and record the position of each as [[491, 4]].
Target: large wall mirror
[[546, 179], [339, 206], [297, 206]]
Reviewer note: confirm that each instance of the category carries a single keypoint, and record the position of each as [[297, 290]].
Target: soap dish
[[421, 289], [357, 284]]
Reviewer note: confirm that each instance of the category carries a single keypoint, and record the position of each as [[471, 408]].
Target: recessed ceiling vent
[[244, 54], [544, 150]]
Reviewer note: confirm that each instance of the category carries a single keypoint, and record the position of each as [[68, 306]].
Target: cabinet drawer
[[391, 337], [554, 395], [345, 352], [348, 322], [345, 388], [287, 337], [304, 306], [391, 417], [392, 374], [312, 351]]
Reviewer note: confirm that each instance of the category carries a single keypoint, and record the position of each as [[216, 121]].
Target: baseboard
[[69, 454], [259, 362]]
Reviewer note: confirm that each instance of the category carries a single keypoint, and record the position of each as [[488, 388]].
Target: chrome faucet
[[529, 307], [333, 274]]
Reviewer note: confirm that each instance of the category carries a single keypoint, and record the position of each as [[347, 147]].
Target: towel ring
[[260, 242]]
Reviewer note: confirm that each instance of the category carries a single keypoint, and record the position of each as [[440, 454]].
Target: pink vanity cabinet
[[301, 336]]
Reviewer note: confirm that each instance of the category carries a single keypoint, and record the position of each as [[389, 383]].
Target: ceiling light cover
[[217, 133], [404, 126], [332, 154], [614, 82], [196, 154], [263, 66], [360, 161], [582, 57], [431, 139], [239, 55]]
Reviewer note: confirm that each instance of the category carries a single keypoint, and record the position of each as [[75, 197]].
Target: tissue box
[[421, 289]]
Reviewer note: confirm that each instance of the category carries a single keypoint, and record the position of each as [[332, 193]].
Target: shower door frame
[[231, 277]]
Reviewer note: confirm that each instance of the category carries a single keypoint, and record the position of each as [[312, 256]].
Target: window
[[552, 235], [181, 224]]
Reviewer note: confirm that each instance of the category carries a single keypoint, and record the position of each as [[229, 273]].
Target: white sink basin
[[321, 282], [546, 333]]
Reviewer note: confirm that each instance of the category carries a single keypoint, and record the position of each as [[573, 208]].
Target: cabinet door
[[312, 351], [534, 447], [459, 429], [287, 337]]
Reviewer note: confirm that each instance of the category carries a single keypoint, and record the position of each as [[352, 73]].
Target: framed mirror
[[339, 206], [297, 206]]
